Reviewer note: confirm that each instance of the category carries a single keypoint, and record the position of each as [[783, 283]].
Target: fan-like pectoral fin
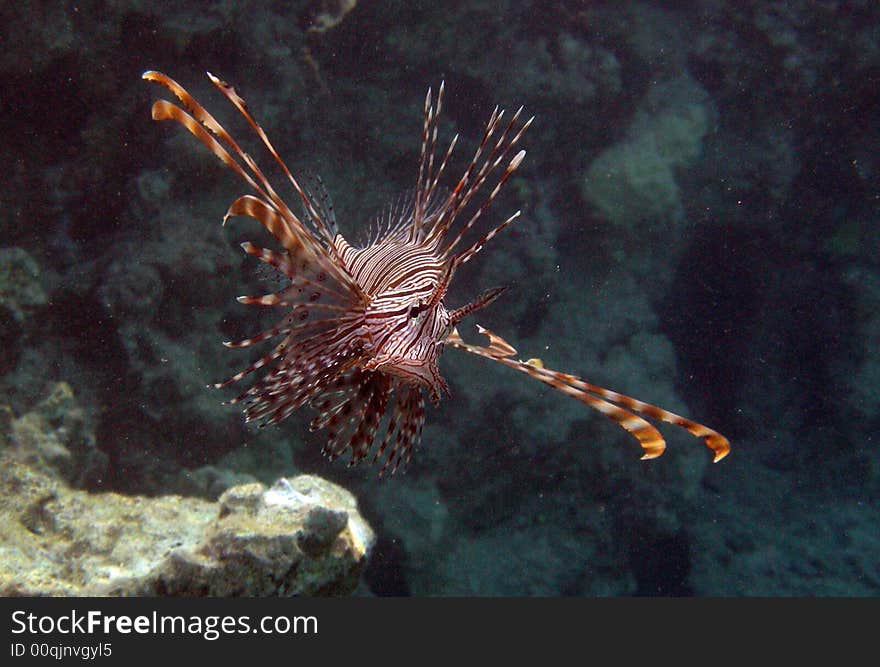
[[283, 229], [302, 248], [242, 107], [649, 437], [164, 110], [268, 208]]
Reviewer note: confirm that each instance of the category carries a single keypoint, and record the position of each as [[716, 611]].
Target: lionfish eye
[[416, 310]]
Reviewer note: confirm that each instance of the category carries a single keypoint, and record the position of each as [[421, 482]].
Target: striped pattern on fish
[[364, 327]]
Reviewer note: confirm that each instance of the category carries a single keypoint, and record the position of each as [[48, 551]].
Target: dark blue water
[[699, 230]]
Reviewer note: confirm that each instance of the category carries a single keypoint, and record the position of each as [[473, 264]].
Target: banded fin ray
[[649, 438], [268, 209]]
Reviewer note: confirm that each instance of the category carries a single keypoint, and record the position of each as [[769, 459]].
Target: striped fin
[[269, 209], [276, 260], [296, 324], [278, 394], [453, 202], [465, 256], [242, 107], [352, 414], [391, 220], [471, 183], [294, 321], [258, 338], [363, 438], [432, 187], [258, 364], [649, 438], [305, 254], [297, 296], [390, 433], [394, 220], [293, 324], [304, 276], [429, 122], [323, 202], [428, 179], [498, 347], [163, 110], [714, 440], [405, 428], [268, 216], [309, 367], [512, 166]]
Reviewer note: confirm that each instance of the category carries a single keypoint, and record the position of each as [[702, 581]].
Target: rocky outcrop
[[302, 536]]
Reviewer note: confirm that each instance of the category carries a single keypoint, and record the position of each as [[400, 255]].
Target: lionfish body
[[364, 328]]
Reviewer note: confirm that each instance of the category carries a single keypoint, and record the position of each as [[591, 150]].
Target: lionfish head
[[406, 319]]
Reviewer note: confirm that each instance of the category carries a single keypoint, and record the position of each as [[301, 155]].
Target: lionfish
[[364, 327]]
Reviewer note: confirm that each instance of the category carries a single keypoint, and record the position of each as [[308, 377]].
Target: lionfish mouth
[[366, 371]]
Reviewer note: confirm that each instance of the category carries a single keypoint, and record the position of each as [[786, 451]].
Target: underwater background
[[699, 230]]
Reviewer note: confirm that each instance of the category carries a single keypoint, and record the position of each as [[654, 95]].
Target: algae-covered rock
[[302, 536], [56, 437], [21, 294], [635, 179], [208, 481], [20, 288]]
